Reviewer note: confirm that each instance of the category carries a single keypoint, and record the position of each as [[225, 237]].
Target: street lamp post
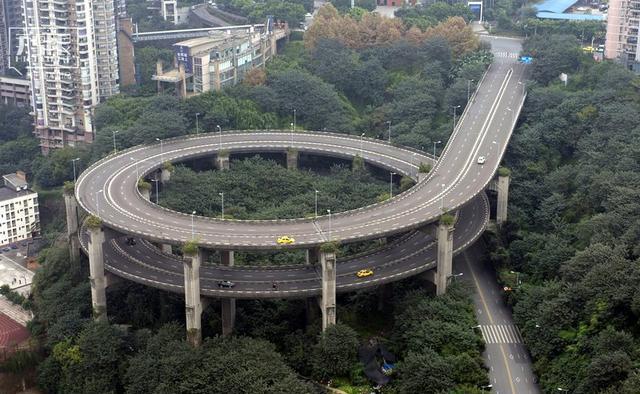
[[361, 150], [434, 148], [512, 115], [517, 277], [329, 212], [222, 205], [294, 119], [156, 182], [317, 204], [450, 278], [455, 107], [161, 149], [219, 137], [442, 200], [73, 162], [389, 123], [469, 89], [193, 233], [291, 133], [486, 387], [562, 389], [391, 184], [413, 159], [197, 125], [114, 132]]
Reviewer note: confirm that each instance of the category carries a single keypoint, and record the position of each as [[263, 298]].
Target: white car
[[481, 159]]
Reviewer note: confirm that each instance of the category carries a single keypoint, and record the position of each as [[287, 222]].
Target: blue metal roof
[[555, 6], [570, 17]]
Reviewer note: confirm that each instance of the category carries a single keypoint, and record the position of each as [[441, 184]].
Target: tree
[[552, 55], [424, 372], [335, 352]]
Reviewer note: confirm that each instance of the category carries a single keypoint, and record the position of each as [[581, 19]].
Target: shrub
[[424, 168]]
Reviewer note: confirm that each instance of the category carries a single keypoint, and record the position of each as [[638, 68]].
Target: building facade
[[623, 24], [19, 214], [11, 25], [15, 91], [211, 63], [72, 55]]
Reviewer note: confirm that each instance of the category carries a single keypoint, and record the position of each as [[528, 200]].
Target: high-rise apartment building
[[11, 23], [623, 24], [73, 64]]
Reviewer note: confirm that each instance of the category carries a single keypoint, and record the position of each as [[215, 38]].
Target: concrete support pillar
[[292, 159], [311, 309], [503, 199], [192, 301], [96, 274], [228, 304], [166, 248], [165, 176], [445, 257], [385, 292], [146, 194], [328, 301], [71, 208], [312, 256], [222, 162]]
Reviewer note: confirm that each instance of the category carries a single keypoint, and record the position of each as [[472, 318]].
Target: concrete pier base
[[328, 301], [445, 257], [96, 274], [71, 209], [192, 301], [503, 199], [222, 162], [228, 304], [292, 159]]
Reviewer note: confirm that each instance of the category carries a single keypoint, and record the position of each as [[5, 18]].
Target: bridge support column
[[312, 256], [192, 300], [292, 159], [503, 199], [146, 193], [445, 257], [165, 176], [328, 301], [166, 248], [228, 304], [71, 209], [96, 273], [222, 162]]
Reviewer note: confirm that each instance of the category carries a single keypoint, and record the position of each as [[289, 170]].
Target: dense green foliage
[[574, 229], [424, 16], [291, 11], [259, 189], [441, 352]]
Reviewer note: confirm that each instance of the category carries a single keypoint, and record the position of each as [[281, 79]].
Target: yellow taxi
[[285, 240], [364, 273]]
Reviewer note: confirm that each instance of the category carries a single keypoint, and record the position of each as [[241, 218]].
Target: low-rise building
[[15, 91], [221, 59], [19, 214]]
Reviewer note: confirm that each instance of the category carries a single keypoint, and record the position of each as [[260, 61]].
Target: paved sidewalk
[[15, 312]]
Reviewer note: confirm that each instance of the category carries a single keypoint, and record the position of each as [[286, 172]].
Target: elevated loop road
[[109, 188]]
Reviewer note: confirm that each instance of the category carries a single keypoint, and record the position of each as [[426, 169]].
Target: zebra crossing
[[501, 333], [508, 55]]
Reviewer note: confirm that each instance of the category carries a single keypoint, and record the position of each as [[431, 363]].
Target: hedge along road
[[108, 189]]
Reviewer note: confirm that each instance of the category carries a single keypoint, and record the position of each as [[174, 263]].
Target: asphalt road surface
[[109, 188], [506, 356], [409, 255]]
